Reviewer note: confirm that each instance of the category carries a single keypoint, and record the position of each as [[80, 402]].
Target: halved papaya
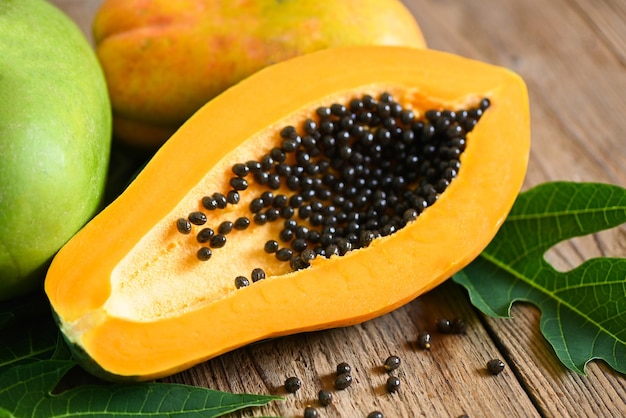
[[341, 185]]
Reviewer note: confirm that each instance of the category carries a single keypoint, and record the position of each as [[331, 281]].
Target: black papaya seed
[[293, 384], [495, 366], [343, 381], [392, 363]]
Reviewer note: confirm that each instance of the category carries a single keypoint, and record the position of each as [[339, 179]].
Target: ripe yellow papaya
[[320, 192], [164, 59]]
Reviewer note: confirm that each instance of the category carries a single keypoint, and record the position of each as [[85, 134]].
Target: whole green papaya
[[55, 138]]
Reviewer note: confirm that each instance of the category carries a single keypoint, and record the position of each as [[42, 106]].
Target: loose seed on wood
[[343, 367], [495, 366], [310, 412], [423, 340], [343, 381], [325, 397], [443, 326], [458, 326], [393, 384], [392, 363], [293, 384]]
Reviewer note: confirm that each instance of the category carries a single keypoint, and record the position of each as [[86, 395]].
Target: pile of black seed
[[353, 173]]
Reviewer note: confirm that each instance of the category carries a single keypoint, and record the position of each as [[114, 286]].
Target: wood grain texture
[[572, 54], [448, 380]]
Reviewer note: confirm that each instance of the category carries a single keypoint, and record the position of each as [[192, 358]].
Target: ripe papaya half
[[320, 192]]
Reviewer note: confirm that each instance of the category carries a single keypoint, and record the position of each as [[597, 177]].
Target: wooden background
[[572, 54]]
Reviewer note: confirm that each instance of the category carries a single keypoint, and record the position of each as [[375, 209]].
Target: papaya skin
[[164, 59], [124, 331], [55, 135]]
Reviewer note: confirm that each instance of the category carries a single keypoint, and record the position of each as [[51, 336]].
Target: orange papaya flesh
[[135, 301]]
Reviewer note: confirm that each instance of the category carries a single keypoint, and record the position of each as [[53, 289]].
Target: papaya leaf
[[583, 310], [6, 414], [27, 392]]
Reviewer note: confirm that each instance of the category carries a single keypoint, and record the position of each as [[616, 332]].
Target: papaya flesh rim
[[339, 291]]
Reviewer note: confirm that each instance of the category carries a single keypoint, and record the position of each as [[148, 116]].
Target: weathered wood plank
[[607, 19], [448, 380]]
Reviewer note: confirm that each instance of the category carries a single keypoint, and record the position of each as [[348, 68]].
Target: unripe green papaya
[[55, 138]]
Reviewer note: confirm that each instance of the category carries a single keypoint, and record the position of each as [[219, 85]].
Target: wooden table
[[572, 54]]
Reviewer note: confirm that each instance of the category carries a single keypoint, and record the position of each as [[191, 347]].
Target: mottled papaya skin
[[55, 137], [164, 59]]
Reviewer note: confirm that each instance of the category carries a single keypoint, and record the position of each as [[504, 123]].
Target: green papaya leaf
[[6, 414], [27, 392], [583, 310]]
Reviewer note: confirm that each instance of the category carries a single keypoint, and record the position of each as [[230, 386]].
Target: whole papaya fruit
[[164, 59], [55, 137]]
